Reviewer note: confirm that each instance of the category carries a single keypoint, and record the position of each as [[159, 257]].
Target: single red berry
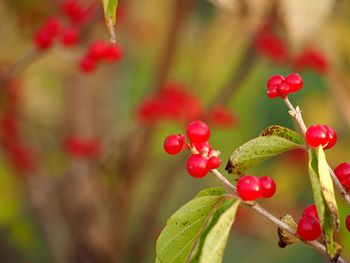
[[198, 131], [332, 137], [275, 81], [88, 64], [317, 135], [113, 53], [272, 92], [294, 81], [222, 117], [173, 144], [342, 171], [248, 188], [267, 186], [214, 162], [347, 223], [70, 36], [53, 26], [284, 90], [197, 165], [97, 50], [83, 147], [309, 228], [311, 211], [43, 39]]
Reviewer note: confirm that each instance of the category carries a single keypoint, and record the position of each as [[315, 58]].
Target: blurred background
[[83, 173]]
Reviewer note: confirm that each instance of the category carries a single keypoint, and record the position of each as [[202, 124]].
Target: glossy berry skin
[[323, 135], [294, 81], [248, 188], [342, 171], [347, 223], [197, 166], [173, 144], [88, 65], [113, 53], [70, 36], [267, 186], [275, 81], [198, 132], [214, 162], [311, 211], [309, 228]]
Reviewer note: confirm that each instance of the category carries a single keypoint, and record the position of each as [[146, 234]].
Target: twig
[[262, 211], [296, 113]]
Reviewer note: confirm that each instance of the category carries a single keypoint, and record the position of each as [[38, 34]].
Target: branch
[[296, 114], [262, 211]]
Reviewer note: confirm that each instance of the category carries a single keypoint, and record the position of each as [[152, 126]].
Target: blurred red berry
[[21, 157], [88, 65], [43, 39], [173, 144], [83, 147], [222, 117], [97, 50], [271, 46], [198, 131], [113, 53], [267, 186], [52, 26], [342, 171], [347, 222], [248, 188], [311, 59], [70, 36], [309, 228], [294, 81], [197, 166]]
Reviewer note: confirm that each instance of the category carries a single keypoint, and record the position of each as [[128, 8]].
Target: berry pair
[[97, 52], [309, 228], [250, 188], [203, 157], [323, 135], [342, 171], [280, 86]]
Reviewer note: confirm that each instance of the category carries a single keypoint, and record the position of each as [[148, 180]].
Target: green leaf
[[316, 186], [181, 237], [110, 11], [327, 186], [283, 132], [215, 242], [273, 141]]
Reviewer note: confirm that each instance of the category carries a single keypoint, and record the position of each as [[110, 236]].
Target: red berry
[[309, 228], [198, 131], [294, 81], [43, 39], [267, 186], [342, 171], [284, 90], [70, 36], [275, 81], [197, 165], [97, 50], [318, 134], [88, 64], [83, 147], [202, 147], [173, 144], [214, 162], [347, 223], [311, 211], [272, 92], [332, 137], [113, 53], [248, 188], [52, 26]]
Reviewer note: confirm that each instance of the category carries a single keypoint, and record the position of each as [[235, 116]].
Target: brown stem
[[263, 212]]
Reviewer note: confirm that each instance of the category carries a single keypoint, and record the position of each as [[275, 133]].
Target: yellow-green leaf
[[110, 11]]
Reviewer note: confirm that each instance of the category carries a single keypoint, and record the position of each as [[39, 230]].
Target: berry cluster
[[273, 47], [100, 51], [84, 148], [323, 135], [250, 188], [17, 151], [174, 102], [203, 157], [309, 226], [280, 86]]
